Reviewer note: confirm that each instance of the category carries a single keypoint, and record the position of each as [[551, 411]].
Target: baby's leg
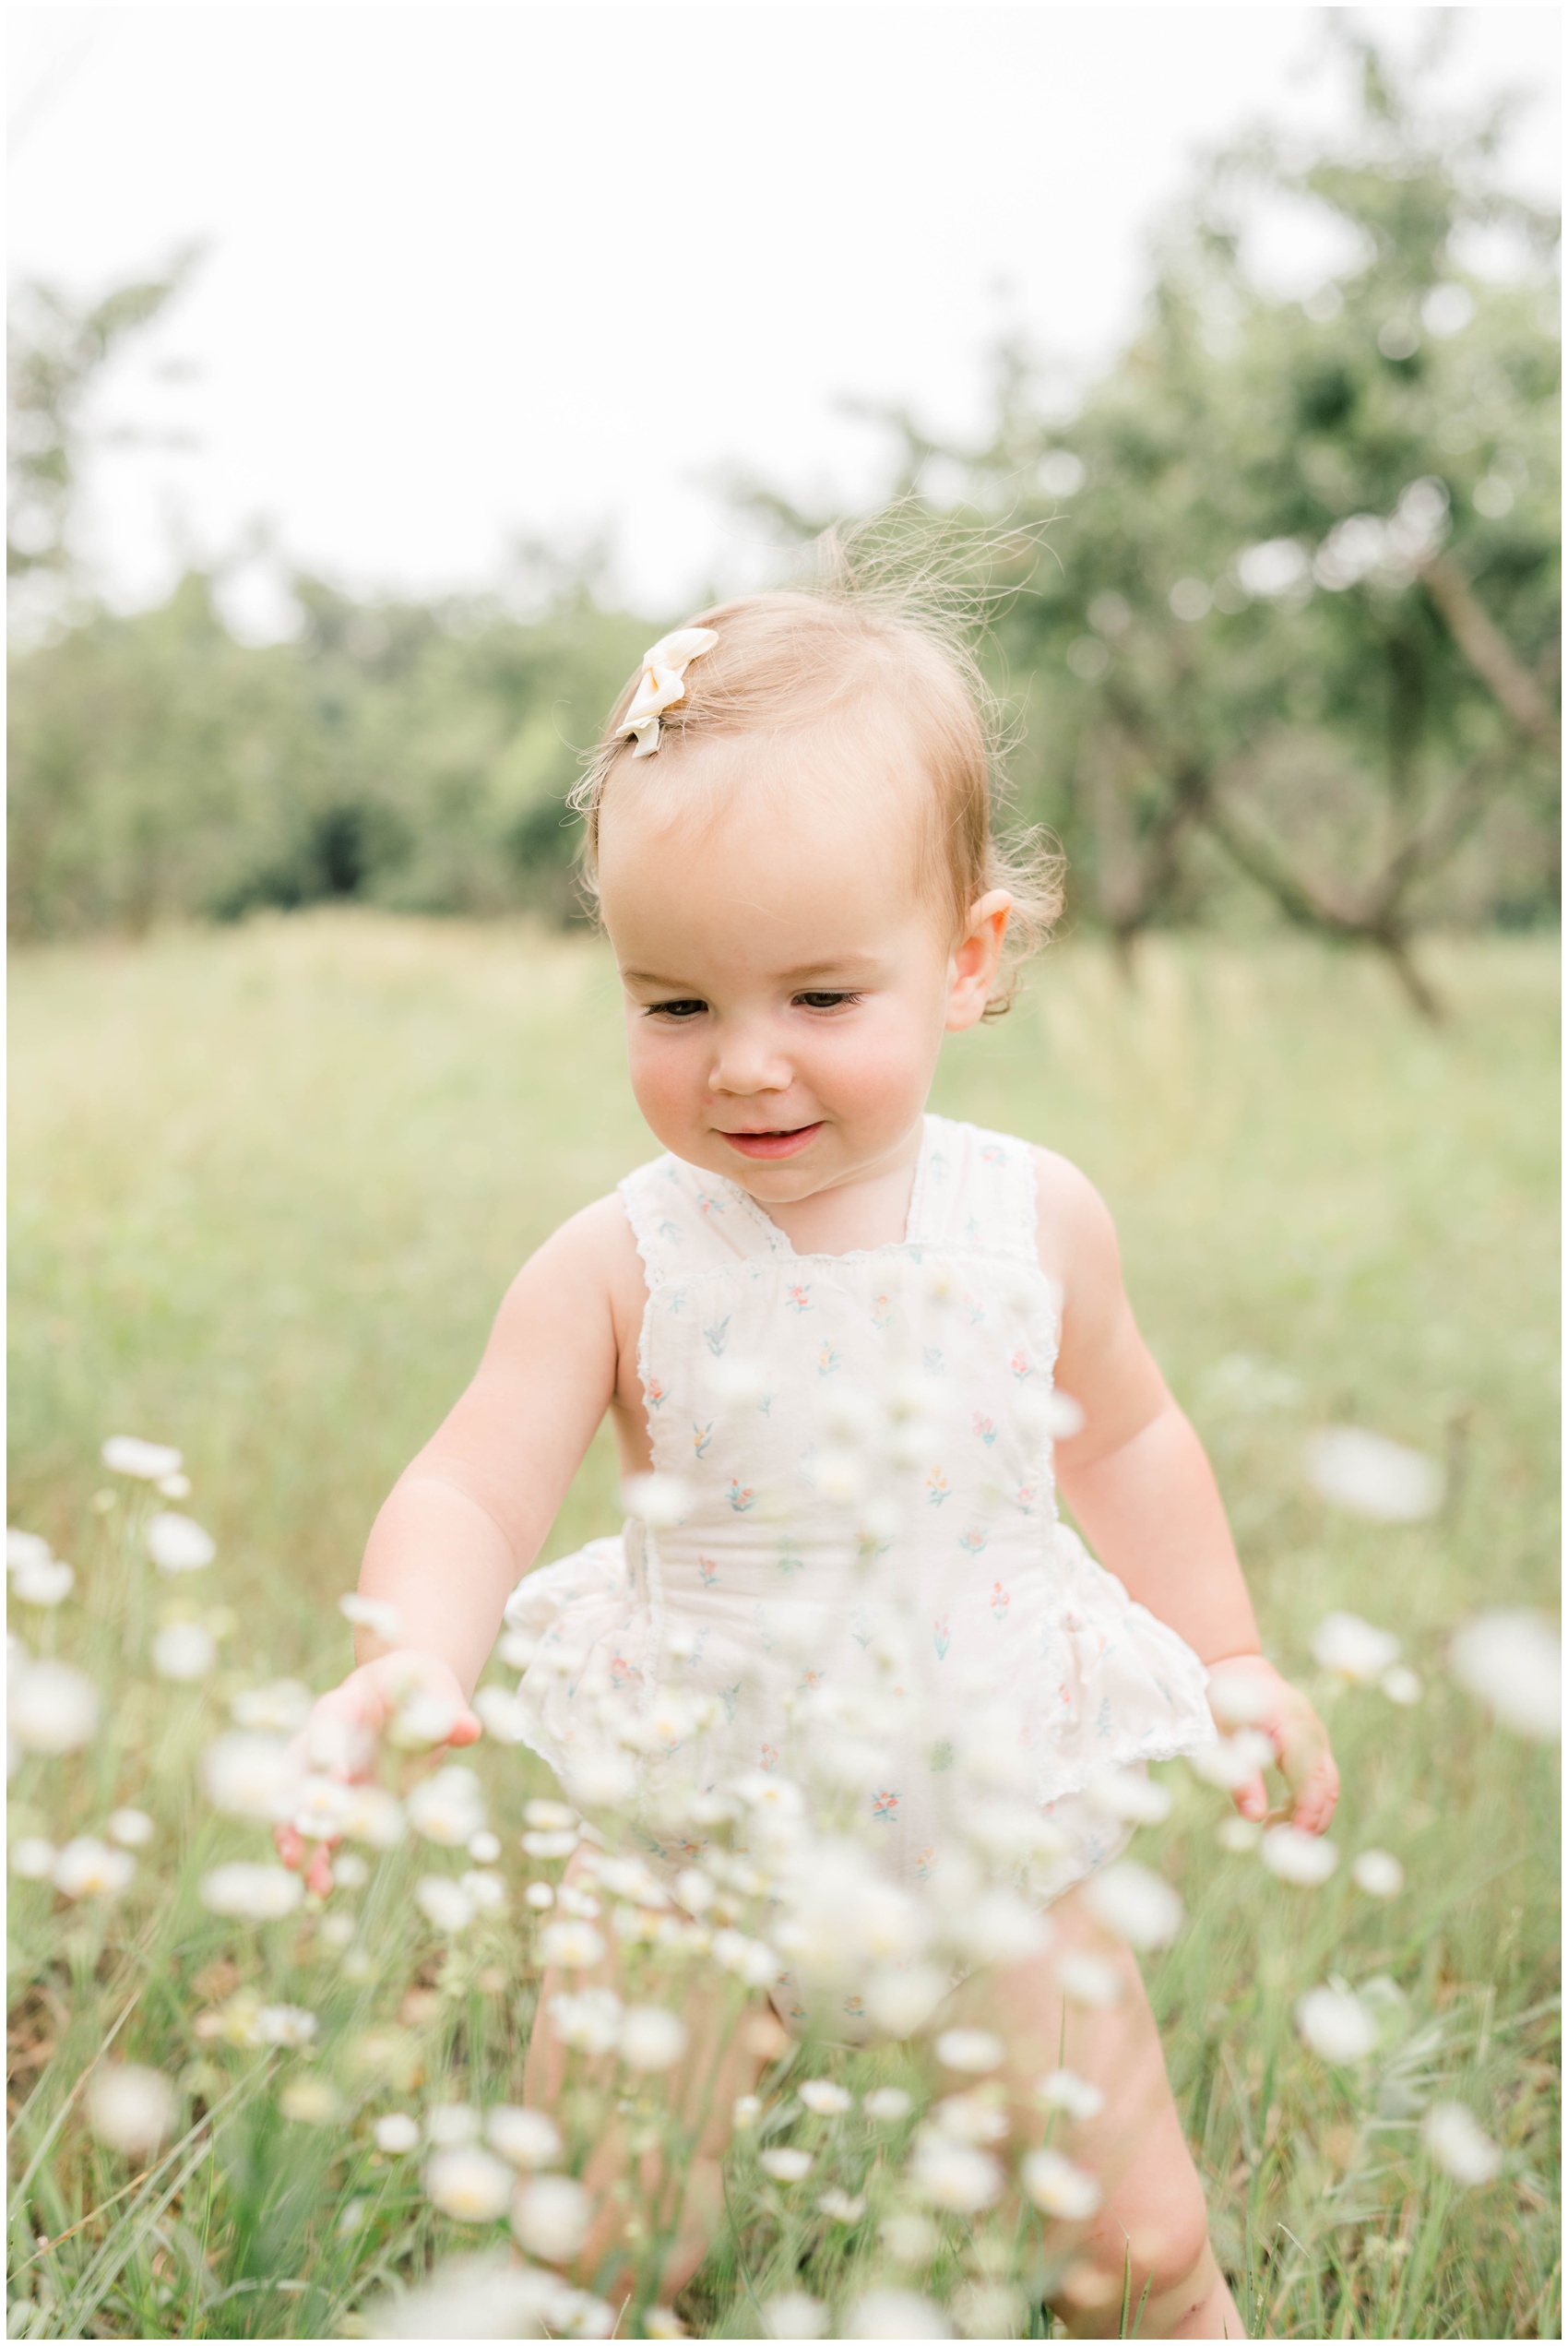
[[722, 2061], [1153, 2226]]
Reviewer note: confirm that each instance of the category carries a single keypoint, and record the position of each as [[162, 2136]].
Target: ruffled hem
[[1129, 1689], [1126, 1688]]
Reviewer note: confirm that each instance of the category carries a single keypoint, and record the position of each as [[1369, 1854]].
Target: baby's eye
[[681, 1009], [826, 1001]]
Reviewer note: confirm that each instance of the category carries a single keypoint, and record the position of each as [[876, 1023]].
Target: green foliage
[[409, 756], [269, 1185]]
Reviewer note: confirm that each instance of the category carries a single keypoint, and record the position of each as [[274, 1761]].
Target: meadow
[[268, 1184]]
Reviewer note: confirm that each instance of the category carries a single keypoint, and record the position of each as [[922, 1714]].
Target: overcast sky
[[477, 271]]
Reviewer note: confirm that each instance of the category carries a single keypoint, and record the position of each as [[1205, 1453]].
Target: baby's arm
[[467, 1517], [1138, 1481]]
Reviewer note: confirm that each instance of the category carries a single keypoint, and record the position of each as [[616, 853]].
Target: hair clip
[[664, 682]]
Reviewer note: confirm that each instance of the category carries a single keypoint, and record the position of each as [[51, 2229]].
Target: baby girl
[[788, 829]]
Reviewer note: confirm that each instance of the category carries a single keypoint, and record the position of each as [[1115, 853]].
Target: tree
[[1299, 592]]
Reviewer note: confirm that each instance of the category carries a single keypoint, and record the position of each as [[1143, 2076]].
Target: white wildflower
[[750, 1960], [467, 2184], [90, 1868], [659, 1500], [588, 2022], [954, 2174], [1129, 1794], [1368, 1476], [423, 1719], [795, 2314], [33, 1859], [990, 2309], [484, 1848], [1305, 1860], [548, 1846], [970, 2117], [1401, 1685], [47, 1584], [1352, 1649], [746, 2114], [350, 1872], [311, 2101], [184, 1651], [653, 2038], [1076, 2097], [1137, 1903], [505, 1717], [132, 1827], [286, 2024], [448, 2122], [841, 2206], [1238, 1697], [785, 2165], [251, 1775], [901, 2002], [910, 2238], [516, 1649], [448, 1808], [486, 1892], [372, 1612], [1058, 2187], [1336, 2024], [896, 2313], [51, 1708], [973, 2051], [397, 2134], [371, 1815], [824, 2098], [527, 2138], [174, 1486], [130, 2109], [551, 2215], [1238, 1834], [25, 1551], [1234, 1760], [998, 1927], [177, 1543], [603, 1778], [254, 1893], [1453, 2142], [146, 1461], [444, 1902], [1088, 1979], [888, 2104], [1513, 1661], [570, 1946], [280, 1708], [1378, 1873], [539, 1896]]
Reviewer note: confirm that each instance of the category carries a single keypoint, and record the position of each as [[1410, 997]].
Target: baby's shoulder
[[1075, 1234]]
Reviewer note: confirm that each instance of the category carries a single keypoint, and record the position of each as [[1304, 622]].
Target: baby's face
[[787, 990]]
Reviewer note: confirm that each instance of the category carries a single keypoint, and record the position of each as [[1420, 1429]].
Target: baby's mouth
[[772, 1144]]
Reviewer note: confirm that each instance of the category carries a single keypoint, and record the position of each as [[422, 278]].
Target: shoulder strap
[[978, 1190], [686, 1221]]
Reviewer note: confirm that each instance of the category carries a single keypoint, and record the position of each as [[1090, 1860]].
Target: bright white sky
[[479, 271]]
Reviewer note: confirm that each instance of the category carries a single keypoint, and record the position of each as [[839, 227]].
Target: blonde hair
[[790, 661]]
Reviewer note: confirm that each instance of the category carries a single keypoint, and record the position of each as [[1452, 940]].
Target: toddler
[[837, 1336]]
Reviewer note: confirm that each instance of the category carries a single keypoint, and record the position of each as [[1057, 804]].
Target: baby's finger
[[289, 1846], [1252, 1799], [319, 1877], [1318, 1797], [465, 1730]]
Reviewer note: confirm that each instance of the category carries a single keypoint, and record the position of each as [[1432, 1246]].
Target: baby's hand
[[418, 1689], [1247, 1691]]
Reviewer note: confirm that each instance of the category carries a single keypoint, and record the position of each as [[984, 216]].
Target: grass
[[268, 1185]]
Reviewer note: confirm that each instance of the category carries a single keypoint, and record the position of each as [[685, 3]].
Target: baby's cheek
[[666, 1087]]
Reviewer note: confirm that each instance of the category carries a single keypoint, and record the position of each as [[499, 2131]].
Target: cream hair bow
[[664, 682]]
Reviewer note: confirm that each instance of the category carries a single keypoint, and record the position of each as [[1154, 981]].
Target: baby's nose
[[748, 1061]]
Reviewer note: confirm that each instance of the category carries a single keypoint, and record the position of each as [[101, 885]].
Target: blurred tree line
[[1276, 601]]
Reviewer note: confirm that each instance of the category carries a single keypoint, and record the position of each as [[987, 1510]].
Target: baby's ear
[[977, 959]]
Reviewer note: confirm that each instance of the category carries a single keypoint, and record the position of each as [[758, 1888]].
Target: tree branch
[[1489, 653]]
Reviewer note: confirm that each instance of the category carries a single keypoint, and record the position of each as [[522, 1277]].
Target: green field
[[268, 1185]]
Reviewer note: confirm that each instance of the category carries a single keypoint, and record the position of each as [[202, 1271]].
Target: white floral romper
[[866, 1572]]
